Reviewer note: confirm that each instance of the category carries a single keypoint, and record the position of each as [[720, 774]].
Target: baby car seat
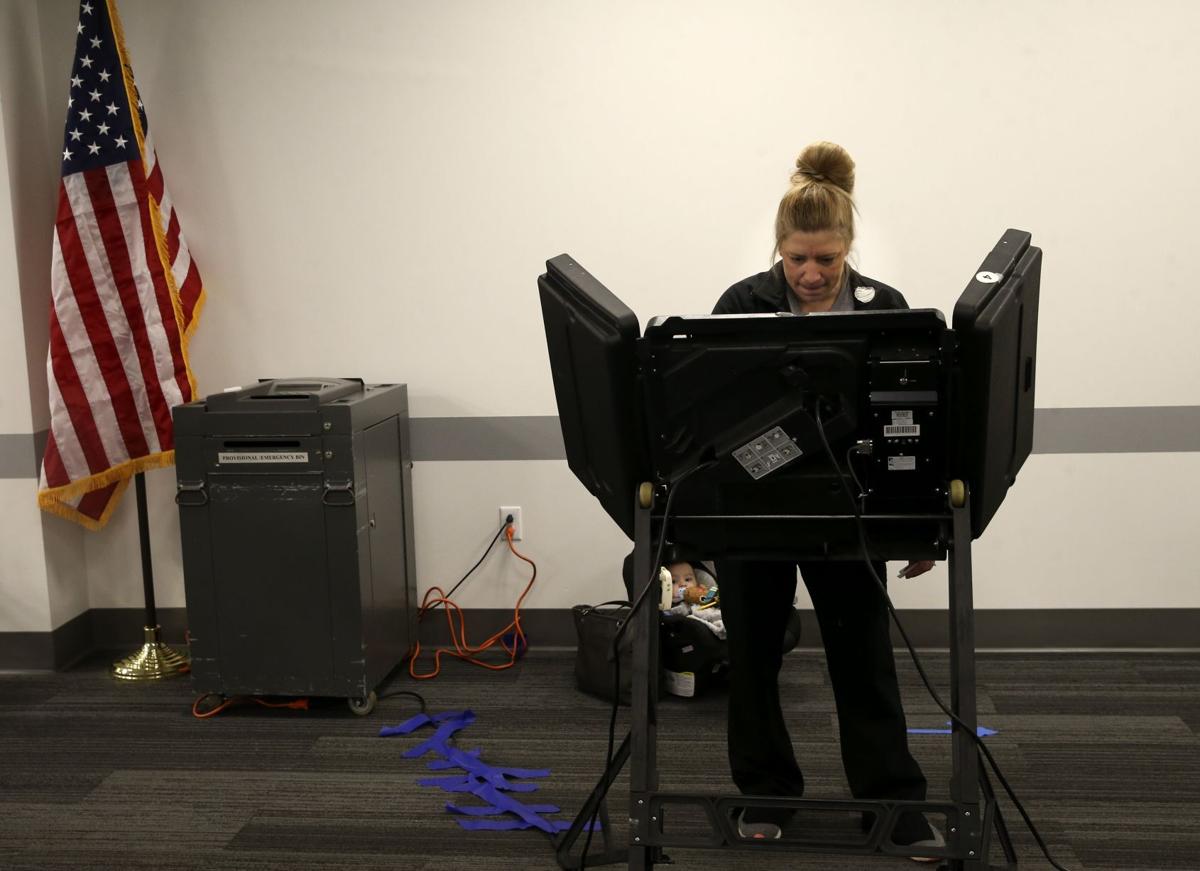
[[692, 656]]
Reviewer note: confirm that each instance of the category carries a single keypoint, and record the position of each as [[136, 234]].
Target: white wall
[[15, 411], [24, 600], [43, 582], [1082, 531], [371, 188]]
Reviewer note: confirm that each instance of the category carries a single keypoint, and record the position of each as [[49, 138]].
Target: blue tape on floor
[[441, 764], [490, 783], [484, 811], [981, 731]]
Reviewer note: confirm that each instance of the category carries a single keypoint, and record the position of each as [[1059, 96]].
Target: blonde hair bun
[[825, 162]]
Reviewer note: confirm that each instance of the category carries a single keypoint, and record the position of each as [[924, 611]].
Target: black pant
[[756, 598]]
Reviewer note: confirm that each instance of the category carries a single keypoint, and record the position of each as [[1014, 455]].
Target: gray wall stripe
[[19, 455], [1056, 431], [1135, 429], [1116, 430], [487, 438]]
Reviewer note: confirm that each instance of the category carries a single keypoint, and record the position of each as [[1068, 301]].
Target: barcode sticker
[[901, 430]]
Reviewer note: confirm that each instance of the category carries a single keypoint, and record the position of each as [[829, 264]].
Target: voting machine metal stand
[[971, 815]]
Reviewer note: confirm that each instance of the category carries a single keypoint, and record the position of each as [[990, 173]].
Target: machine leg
[[643, 771], [638, 747], [1002, 835], [964, 778], [594, 805]]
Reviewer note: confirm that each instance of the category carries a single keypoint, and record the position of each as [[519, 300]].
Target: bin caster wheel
[[365, 705], [646, 494]]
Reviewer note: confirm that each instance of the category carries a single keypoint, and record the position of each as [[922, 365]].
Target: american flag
[[126, 293]]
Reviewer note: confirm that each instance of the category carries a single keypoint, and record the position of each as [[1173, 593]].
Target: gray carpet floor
[[1103, 748]]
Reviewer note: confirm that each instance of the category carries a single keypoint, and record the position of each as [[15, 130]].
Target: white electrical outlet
[[515, 511]]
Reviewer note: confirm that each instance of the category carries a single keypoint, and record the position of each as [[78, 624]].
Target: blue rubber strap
[[442, 764], [471, 783], [496, 775], [489, 783], [488, 810], [450, 784], [445, 731], [418, 720], [522, 772], [508, 825], [472, 763], [499, 782], [409, 725], [506, 802], [981, 731], [492, 825]]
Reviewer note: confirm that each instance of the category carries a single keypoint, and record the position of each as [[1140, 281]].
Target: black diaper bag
[[595, 628]]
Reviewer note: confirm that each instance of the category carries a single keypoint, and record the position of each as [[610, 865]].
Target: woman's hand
[[915, 567]]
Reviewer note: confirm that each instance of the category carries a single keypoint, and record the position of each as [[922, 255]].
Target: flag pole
[[155, 659]]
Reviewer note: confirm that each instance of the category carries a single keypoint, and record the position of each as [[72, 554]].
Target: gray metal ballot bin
[[295, 514]]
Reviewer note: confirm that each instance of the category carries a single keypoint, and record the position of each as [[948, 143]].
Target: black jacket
[[766, 292]]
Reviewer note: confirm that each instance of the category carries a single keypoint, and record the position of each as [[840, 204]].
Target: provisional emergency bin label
[[902, 464], [234, 457]]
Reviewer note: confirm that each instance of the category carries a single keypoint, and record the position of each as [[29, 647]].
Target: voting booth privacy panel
[[295, 512], [858, 435], [934, 405]]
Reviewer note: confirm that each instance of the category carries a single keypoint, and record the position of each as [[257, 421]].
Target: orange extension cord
[[458, 633], [297, 704]]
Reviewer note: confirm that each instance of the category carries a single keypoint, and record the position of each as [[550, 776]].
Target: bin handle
[[341, 493], [183, 492]]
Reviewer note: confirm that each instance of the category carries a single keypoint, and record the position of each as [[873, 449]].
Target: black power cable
[[471, 570], [655, 565], [420, 699], [863, 545]]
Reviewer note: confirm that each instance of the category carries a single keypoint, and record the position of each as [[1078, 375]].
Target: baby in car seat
[[690, 591]]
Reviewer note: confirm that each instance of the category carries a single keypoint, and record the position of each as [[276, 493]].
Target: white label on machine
[[902, 464], [226, 457], [680, 683], [905, 430], [901, 417]]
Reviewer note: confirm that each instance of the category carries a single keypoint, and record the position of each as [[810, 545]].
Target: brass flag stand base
[[153, 661]]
